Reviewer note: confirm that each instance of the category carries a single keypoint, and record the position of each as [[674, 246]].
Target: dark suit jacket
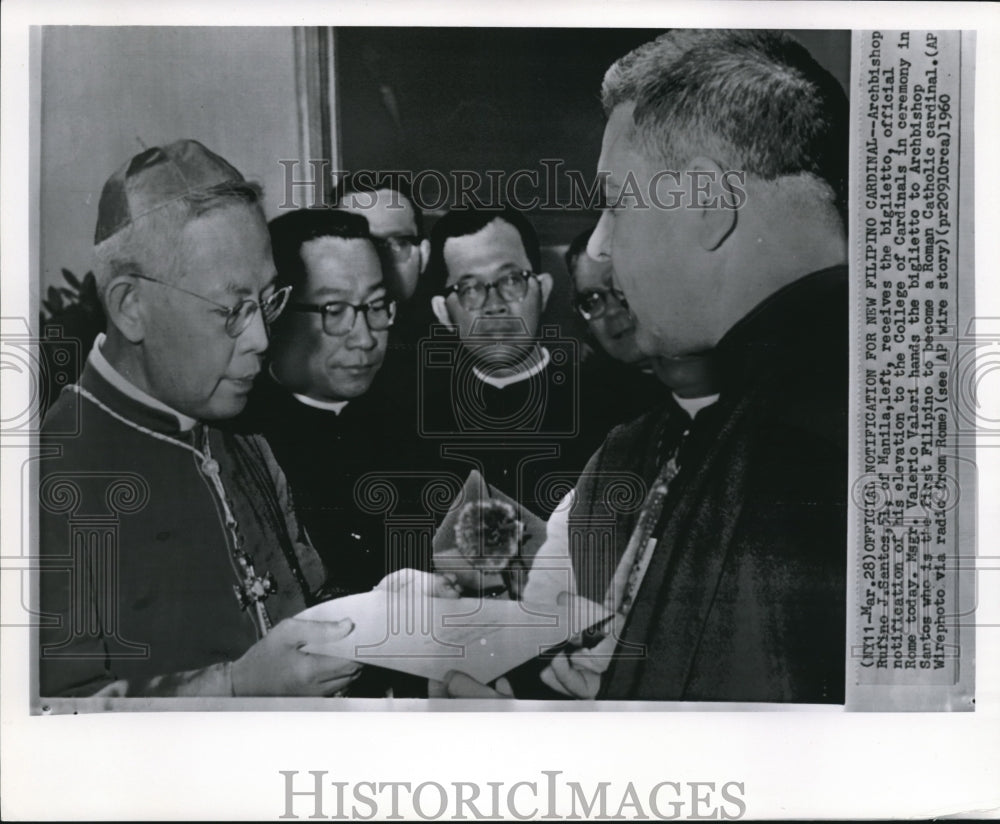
[[744, 598]]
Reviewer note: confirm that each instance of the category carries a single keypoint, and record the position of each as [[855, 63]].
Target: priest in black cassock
[[499, 393], [333, 434]]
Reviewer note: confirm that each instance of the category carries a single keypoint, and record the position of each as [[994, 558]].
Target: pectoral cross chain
[[253, 590]]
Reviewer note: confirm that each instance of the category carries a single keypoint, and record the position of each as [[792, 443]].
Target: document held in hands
[[409, 631]]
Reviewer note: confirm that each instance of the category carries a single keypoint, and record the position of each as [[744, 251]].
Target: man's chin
[[222, 409], [347, 389], [626, 352], [405, 285]]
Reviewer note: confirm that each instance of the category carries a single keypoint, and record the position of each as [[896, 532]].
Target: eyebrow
[[502, 269], [237, 289], [333, 292], [330, 291]]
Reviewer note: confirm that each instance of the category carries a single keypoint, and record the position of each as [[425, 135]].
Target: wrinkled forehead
[[346, 265], [388, 212], [494, 248]]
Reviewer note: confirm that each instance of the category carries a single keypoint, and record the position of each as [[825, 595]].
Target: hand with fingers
[[277, 664], [433, 584], [459, 685]]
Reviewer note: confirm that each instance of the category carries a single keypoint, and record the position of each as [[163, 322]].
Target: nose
[[255, 337], [614, 307], [494, 305], [360, 336], [599, 245]]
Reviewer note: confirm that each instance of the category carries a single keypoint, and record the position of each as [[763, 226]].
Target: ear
[[441, 311], [124, 307], [710, 204], [425, 254], [545, 287]]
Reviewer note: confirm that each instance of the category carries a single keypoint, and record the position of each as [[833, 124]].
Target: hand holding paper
[[279, 664], [410, 630], [434, 584]]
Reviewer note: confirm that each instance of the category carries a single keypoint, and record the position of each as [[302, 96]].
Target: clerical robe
[[744, 596], [338, 463], [527, 433], [141, 580]]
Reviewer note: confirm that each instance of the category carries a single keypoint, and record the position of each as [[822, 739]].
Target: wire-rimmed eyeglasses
[[473, 293], [237, 317]]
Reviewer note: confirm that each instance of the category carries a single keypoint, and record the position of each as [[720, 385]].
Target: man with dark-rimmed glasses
[[618, 382], [172, 561], [316, 403], [507, 402]]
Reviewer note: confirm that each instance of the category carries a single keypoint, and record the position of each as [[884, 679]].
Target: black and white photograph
[[425, 416]]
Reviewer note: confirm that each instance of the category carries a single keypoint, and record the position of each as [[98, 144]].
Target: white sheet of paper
[[429, 637]]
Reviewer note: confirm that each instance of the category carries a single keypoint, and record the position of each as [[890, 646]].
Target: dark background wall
[[446, 99], [410, 98]]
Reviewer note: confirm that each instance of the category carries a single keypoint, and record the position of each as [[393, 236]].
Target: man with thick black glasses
[[396, 224], [502, 394], [172, 560], [316, 404]]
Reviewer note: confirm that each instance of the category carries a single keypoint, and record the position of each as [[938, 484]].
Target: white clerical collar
[[126, 387], [694, 405], [500, 383], [329, 406]]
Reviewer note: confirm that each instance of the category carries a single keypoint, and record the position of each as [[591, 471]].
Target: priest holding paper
[[171, 559], [727, 570]]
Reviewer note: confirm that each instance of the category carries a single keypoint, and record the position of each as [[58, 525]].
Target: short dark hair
[[757, 99], [463, 222], [365, 181], [291, 231], [577, 247]]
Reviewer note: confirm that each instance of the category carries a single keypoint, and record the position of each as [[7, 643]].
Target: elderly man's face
[[392, 221], [614, 330], [673, 292], [500, 333], [312, 362], [190, 362]]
